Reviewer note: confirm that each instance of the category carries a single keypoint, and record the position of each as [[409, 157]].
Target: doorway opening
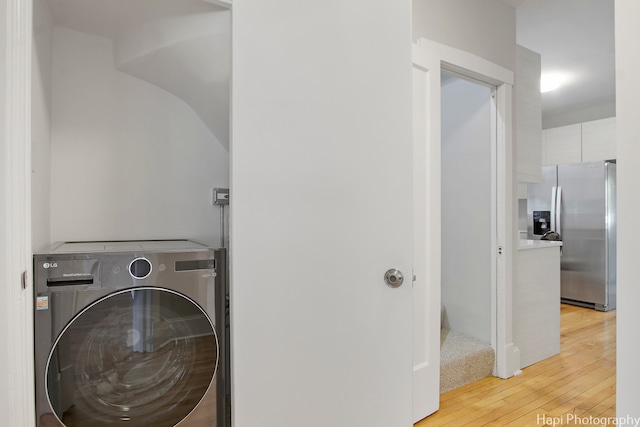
[[429, 61], [468, 147]]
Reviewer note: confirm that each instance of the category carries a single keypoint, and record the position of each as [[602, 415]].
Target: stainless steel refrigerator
[[578, 201]]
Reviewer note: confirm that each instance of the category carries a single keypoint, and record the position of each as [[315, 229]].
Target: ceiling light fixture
[[552, 81]]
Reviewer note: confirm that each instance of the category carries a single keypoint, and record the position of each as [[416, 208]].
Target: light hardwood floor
[[564, 390]]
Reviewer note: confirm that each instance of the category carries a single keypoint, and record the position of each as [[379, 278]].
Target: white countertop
[[538, 244]]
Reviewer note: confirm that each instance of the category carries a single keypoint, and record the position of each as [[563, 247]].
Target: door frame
[[427, 191], [16, 302]]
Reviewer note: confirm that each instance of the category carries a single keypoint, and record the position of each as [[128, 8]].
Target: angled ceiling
[[575, 37], [182, 46]]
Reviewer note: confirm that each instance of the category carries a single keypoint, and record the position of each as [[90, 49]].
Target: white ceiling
[[514, 3], [113, 17], [577, 37]]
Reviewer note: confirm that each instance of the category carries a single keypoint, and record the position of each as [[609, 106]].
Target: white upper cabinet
[[599, 140], [582, 142], [528, 120], [562, 145]]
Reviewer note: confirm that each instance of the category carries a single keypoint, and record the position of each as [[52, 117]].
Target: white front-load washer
[[130, 334]]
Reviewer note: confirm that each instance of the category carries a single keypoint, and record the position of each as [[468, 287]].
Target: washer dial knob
[[140, 268]]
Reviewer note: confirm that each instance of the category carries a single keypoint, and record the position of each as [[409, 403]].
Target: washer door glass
[[140, 357]]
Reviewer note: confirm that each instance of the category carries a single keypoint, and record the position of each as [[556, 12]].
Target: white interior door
[[321, 207], [426, 291]]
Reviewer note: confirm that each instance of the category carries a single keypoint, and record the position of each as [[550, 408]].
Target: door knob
[[393, 278]]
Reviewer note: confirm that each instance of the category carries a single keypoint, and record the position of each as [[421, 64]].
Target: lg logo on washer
[[50, 265]]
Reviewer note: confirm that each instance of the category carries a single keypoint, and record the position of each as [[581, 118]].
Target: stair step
[[463, 360]]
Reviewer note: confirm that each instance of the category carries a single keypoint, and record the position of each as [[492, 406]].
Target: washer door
[[140, 357]]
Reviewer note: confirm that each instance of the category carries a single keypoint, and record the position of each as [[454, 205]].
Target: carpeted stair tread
[[463, 360]]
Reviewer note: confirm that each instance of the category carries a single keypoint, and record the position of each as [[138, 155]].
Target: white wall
[[41, 125], [128, 160], [486, 28], [466, 206], [628, 135]]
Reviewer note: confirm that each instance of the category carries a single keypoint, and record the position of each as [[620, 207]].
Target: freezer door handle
[[553, 224], [559, 211]]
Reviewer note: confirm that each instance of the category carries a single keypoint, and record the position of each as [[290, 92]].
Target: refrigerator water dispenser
[[541, 222]]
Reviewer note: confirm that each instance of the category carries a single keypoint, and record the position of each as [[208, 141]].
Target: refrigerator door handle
[[559, 211], [554, 191]]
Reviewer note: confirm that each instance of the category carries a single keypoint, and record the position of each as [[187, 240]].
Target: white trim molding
[[468, 64], [507, 354], [16, 365]]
